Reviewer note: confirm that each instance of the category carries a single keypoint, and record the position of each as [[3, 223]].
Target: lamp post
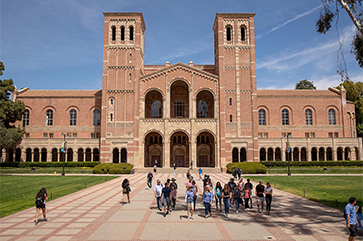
[[64, 150], [288, 155]]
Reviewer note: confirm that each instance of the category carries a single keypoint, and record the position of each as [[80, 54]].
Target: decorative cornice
[[122, 20], [245, 91], [239, 67], [121, 91], [230, 91], [120, 67], [121, 47], [240, 47]]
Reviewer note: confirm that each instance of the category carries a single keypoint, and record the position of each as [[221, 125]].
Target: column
[[324, 154], [274, 155], [353, 154], [75, 155], [299, 155], [308, 154], [343, 154], [239, 155], [266, 155], [335, 154], [166, 149], [32, 156]]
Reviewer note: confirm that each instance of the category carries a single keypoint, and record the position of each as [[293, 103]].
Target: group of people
[[232, 194]]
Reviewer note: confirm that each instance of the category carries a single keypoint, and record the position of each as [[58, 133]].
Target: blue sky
[[57, 44]]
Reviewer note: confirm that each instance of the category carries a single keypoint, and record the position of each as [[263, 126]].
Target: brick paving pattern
[[96, 213]]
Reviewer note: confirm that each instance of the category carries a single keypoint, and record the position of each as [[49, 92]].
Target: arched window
[[156, 109], [332, 117], [230, 101], [131, 33], [122, 33], [308, 117], [111, 101], [96, 117], [202, 109], [111, 117], [73, 117], [151, 140], [262, 117], [26, 118], [130, 77], [285, 117], [130, 58], [156, 139], [243, 34], [49, 118], [179, 108], [113, 28], [229, 33], [230, 118]]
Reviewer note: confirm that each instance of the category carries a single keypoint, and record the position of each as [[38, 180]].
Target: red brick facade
[[209, 114]]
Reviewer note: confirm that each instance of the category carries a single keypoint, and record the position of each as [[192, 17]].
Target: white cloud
[[289, 21]]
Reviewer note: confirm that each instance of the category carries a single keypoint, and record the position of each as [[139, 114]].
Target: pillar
[[324, 154], [299, 155], [274, 155]]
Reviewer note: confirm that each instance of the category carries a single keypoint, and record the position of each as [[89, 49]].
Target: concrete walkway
[[96, 213]]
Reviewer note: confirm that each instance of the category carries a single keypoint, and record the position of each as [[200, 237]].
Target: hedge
[[113, 168], [247, 167], [48, 164], [311, 163]]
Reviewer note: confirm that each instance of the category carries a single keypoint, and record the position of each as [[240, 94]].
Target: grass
[[87, 170], [18, 192], [316, 170], [322, 189]]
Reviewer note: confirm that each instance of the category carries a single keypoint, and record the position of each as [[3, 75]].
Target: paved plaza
[[96, 213]]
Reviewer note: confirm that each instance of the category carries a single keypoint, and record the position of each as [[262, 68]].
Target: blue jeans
[[226, 205], [158, 202], [207, 208], [236, 203]]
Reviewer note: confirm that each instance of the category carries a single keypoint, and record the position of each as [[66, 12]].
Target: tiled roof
[[297, 93], [59, 93]]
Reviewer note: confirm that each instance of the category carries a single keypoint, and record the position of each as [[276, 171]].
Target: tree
[[355, 94], [305, 85], [355, 12], [10, 112]]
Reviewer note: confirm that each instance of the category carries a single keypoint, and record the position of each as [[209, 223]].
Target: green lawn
[[315, 170], [87, 170], [322, 189], [18, 192]]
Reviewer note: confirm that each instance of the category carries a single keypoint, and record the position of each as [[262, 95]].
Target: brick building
[[166, 114]]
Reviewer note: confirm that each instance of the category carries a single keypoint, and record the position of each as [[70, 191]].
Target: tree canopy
[[305, 85], [355, 12], [10, 112]]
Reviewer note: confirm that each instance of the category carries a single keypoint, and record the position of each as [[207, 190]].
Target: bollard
[[55, 173], [304, 193], [51, 195], [336, 202]]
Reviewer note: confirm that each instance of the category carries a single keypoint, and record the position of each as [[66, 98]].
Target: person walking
[[250, 185], [188, 174], [200, 171], [350, 214], [195, 190], [155, 169], [40, 204], [218, 194], [268, 195], [260, 189], [237, 198], [247, 196], [175, 167], [191, 165], [149, 180], [239, 173], [226, 194], [173, 183], [166, 196], [158, 189], [232, 185], [207, 201], [189, 200], [173, 196], [126, 189]]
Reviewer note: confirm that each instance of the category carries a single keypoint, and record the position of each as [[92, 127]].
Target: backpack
[[345, 215], [39, 201]]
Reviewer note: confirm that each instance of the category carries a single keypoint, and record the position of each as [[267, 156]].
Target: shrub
[[113, 168], [312, 163], [247, 167], [48, 164]]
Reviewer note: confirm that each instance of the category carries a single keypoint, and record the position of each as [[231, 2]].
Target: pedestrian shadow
[[183, 217]]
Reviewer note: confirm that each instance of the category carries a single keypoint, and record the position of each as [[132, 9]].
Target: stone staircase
[[180, 170]]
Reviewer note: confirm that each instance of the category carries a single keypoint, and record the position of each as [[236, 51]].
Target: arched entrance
[[36, 154], [277, 154], [18, 155], [303, 154], [270, 154], [123, 155], [243, 155], [28, 156], [179, 98], [205, 150], [179, 149], [43, 156], [115, 156], [96, 155], [296, 154], [153, 152], [235, 155], [262, 154], [314, 154]]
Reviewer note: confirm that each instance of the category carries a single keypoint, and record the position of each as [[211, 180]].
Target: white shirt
[[268, 190], [158, 189]]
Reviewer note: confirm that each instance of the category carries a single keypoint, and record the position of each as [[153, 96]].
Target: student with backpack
[[126, 191], [250, 185], [226, 194], [166, 198], [247, 196], [173, 196], [350, 215], [158, 189], [218, 194], [237, 197], [195, 190], [189, 200], [149, 180], [40, 204], [268, 196]]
